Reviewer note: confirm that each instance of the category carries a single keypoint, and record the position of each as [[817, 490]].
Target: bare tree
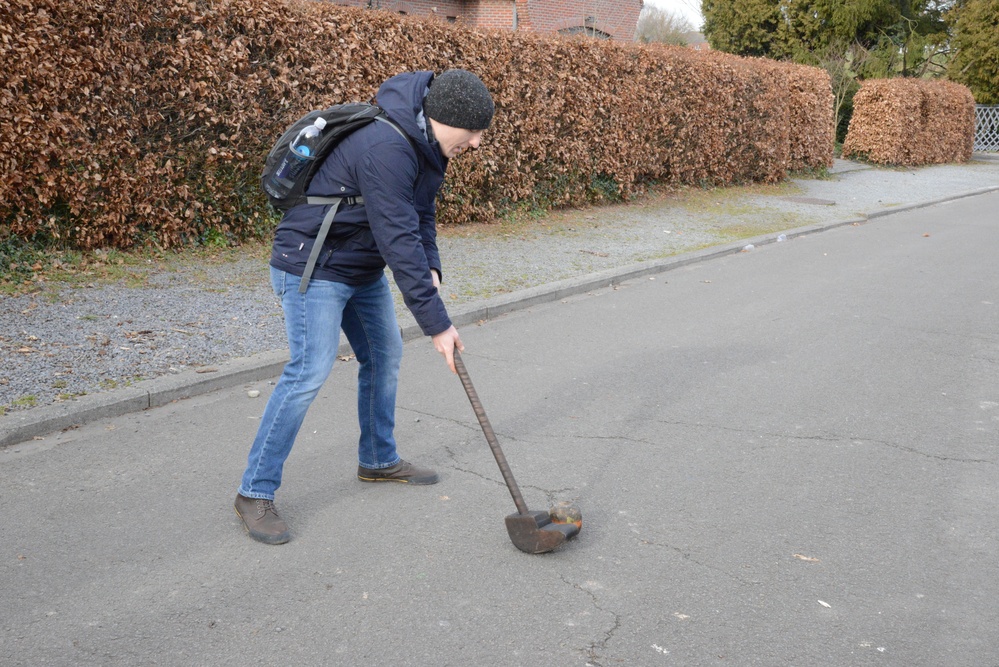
[[661, 25], [842, 61]]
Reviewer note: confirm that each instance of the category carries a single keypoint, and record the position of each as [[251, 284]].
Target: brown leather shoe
[[261, 520], [403, 472]]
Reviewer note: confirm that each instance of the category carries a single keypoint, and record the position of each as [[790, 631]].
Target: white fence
[[986, 128]]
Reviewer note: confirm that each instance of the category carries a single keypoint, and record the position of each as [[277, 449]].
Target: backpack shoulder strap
[[324, 230], [334, 204], [382, 118]]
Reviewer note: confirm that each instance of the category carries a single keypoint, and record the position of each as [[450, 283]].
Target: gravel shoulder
[[64, 341]]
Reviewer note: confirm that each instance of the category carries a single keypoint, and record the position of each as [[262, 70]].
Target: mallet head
[[536, 533]]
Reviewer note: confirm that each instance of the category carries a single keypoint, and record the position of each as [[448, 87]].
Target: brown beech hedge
[[132, 123], [911, 122]]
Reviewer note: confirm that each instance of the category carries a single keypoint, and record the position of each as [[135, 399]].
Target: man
[[397, 168]]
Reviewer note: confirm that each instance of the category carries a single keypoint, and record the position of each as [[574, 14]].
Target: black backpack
[[341, 120]]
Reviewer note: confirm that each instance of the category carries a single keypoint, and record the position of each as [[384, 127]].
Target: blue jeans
[[313, 320]]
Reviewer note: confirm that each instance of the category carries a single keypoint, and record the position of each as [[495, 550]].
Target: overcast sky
[[689, 9]]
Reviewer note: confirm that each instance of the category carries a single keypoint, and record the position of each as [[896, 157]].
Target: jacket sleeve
[[428, 235], [386, 177]]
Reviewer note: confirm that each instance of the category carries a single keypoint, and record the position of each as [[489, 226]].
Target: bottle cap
[[320, 122]]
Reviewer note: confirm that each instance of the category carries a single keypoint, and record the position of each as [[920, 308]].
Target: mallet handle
[[487, 430]]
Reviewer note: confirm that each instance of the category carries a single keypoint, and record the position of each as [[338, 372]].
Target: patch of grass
[[817, 174], [70, 268], [741, 216], [523, 212], [28, 268], [769, 224], [26, 401], [260, 249], [723, 200]]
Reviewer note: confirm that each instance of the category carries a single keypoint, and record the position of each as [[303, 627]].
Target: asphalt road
[[786, 456]]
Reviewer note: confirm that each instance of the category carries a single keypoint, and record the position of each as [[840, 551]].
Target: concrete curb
[[22, 426], [912, 207]]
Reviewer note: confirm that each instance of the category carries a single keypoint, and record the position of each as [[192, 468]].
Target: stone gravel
[[65, 341]]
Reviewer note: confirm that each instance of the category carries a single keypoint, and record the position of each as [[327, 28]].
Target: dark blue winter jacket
[[397, 223]]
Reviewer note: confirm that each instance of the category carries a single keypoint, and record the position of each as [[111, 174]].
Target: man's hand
[[446, 342]]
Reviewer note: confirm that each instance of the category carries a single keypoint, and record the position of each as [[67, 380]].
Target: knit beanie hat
[[458, 98]]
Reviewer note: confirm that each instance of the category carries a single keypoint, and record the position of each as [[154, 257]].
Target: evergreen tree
[[976, 45], [900, 36], [743, 27], [851, 39]]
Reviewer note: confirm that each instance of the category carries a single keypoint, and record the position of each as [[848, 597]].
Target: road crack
[[595, 648], [688, 557], [830, 438]]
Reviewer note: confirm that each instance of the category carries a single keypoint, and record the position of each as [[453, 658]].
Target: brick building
[[606, 19]]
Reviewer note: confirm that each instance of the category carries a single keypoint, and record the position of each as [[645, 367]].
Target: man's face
[[455, 140]]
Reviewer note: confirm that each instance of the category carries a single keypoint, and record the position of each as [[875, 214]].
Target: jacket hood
[[402, 99]]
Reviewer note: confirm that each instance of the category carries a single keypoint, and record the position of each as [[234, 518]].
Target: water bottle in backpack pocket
[[300, 152], [288, 169]]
